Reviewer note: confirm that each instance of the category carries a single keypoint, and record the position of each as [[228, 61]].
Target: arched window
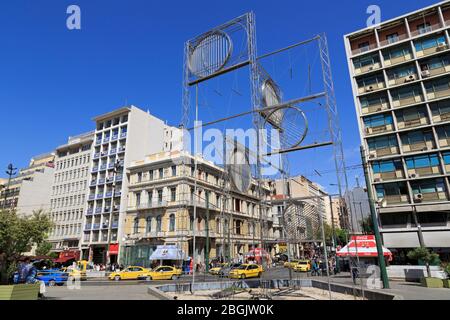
[[172, 222], [136, 225], [149, 224], [158, 223]]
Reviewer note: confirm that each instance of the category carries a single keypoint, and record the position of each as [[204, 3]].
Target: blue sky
[[53, 81]]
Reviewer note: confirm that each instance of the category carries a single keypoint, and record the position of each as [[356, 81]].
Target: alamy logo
[[73, 21]]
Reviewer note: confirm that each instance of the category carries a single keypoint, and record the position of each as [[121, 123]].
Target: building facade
[[29, 191], [124, 135], [69, 192], [161, 204], [400, 75]]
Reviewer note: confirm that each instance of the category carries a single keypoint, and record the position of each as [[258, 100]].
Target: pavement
[[104, 289]]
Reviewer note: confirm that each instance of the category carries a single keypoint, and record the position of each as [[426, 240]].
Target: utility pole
[[11, 171], [333, 233], [207, 232], [384, 276]]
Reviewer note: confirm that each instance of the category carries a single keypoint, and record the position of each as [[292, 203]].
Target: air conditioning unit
[[372, 155], [425, 73], [425, 148], [368, 130], [418, 197], [369, 88], [377, 180], [65, 248], [441, 46], [379, 109], [410, 78], [413, 175], [370, 68]]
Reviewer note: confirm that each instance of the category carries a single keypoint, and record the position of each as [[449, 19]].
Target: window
[[431, 186], [366, 61], [174, 171], [191, 223], [411, 114], [390, 189], [136, 225], [149, 224], [443, 132], [396, 53], [446, 157], [172, 223], [160, 196], [372, 101], [440, 107], [402, 72], [139, 177], [429, 43], [150, 174], [382, 142], [173, 194], [424, 27], [364, 46], [158, 224], [386, 166], [422, 161], [393, 37], [430, 219], [377, 121], [394, 220], [436, 86], [161, 173], [416, 137]]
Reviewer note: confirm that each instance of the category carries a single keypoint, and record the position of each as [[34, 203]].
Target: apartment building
[[301, 226], [121, 136], [29, 191], [69, 192], [161, 200], [400, 75]]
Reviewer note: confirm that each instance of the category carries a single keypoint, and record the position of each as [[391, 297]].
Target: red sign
[[114, 248]]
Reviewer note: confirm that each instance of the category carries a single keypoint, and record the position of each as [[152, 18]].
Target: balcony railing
[[88, 226], [119, 178], [99, 195], [98, 210], [425, 30], [115, 225], [393, 40], [114, 137], [93, 183], [90, 211], [113, 151], [107, 209], [94, 169], [96, 226], [123, 135], [108, 194], [117, 193], [104, 153], [364, 49], [103, 167], [121, 149], [106, 139], [91, 197], [98, 141], [96, 155]]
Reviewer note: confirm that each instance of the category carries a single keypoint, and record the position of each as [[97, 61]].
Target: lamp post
[[10, 172], [384, 276]]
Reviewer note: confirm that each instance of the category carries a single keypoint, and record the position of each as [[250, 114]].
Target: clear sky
[[53, 81]]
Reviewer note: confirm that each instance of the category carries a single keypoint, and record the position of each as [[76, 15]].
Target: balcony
[[104, 154], [121, 149], [115, 225], [396, 199], [119, 178], [98, 141], [393, 40], [423, 171], [117, 193], [90, 211], [105, 226], [386, 176], [94, 169], [96, 155], [87, 226], [113, 151], [425, 29], [412, 117], [101, 181], [382, 152], [99, 196], [406, 99], [438, 89], [418, 146], [109, 179], [107, 209], [93, 183], [375, 86], [366, 64], [111, 166], [108, 194], [103, 167], [106, 140], [363, 49], [397, 55], [115, 137], [116, 207], [379, 129], [96, 226], [430, 46], [91, 197], [123, 135], [398, 79], [98, 210]]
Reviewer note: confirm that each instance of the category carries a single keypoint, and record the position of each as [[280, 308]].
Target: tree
[[44, 249], [17, 236], [341, 237], [367, 225], [423, 254]]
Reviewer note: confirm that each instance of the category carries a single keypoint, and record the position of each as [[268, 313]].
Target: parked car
[[163, 273], [52, 277], [129, 273], [246, 271], [302, 266], [224, 272], [291, 264]]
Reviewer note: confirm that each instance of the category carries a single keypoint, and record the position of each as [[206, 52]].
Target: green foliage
[[17, 236], [423, 254], [446, 268], [341, 237], [367, 225], [44, 249]]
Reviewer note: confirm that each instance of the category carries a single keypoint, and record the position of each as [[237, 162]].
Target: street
[[104, 289]]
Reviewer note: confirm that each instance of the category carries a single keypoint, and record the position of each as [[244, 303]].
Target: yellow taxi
[[291, 264], [129, 273], [246, 271], [302, 266], [163, 273], [215, 270]]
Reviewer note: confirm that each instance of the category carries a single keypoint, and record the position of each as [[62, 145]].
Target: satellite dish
[[240, 170], [210, 54]]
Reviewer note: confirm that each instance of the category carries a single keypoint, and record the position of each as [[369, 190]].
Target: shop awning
[[364, 246], [64, 259], [257, 252], [169, 252]]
